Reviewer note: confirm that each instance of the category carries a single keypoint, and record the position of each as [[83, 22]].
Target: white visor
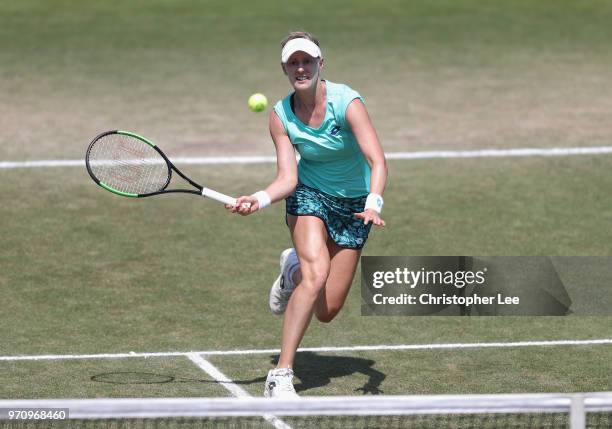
[[303, 45]]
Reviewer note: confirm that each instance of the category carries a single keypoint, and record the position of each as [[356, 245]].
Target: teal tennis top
[[330, 158]]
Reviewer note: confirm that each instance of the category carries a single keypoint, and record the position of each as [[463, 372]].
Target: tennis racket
[[129, 165]]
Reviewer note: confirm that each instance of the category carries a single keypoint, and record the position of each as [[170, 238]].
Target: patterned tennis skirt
[[337, 214]]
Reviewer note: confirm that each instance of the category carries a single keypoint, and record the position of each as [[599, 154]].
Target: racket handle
[[217, 196]]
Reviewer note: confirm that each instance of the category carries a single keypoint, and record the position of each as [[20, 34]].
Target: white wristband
[[263, 199], [374, 202]]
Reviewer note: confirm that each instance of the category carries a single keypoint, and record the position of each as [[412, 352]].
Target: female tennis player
[[333, 196]]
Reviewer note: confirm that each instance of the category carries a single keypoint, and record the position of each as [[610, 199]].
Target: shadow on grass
[[316, 370], [313, 371], [141, 377]]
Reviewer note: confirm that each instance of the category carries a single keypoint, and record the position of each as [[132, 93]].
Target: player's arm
[[358, 119], [286, 164], [286, 170]]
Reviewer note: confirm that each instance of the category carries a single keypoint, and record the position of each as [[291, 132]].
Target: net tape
[[575, 411], [329, 405]]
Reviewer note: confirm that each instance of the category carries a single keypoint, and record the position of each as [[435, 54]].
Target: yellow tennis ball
[[258, 102]]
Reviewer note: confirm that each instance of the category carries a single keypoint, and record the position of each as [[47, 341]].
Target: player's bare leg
[[310, 241], [342, 270]]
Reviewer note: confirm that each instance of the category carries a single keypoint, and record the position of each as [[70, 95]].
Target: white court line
[[397, 347], [445, 154], [215, 373], [233, 388]]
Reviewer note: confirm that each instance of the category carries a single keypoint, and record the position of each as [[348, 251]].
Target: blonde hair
[[300, 35]]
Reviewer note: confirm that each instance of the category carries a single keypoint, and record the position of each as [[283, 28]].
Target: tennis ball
[[258, 102]]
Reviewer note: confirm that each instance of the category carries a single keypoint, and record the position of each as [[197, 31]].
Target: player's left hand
[[370, 215]]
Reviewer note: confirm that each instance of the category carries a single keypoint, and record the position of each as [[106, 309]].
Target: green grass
[[101, 378], [435, 371], [83, 271], [435, 74]]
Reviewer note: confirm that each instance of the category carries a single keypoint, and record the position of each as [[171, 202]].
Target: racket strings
[[128, 164]]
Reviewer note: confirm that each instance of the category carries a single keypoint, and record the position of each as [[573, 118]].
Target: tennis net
[[530, 411]]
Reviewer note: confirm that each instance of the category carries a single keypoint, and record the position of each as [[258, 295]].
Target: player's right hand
[[245, 205]]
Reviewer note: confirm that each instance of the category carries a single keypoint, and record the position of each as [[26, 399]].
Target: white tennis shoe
[[279, 384], [283, 286]]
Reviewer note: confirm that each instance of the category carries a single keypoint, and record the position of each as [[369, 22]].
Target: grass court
[[84, 272]]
